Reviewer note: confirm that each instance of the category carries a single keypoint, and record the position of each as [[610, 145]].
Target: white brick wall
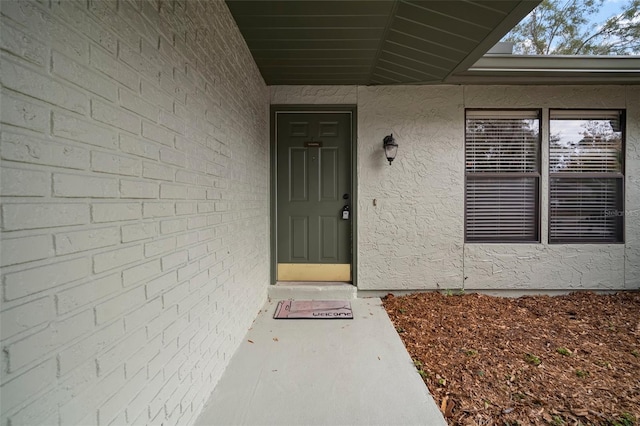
[[134, 185]]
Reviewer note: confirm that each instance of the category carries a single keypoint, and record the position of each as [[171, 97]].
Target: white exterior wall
[[413, 237], [134, 186], [632, 190], [552, 266]]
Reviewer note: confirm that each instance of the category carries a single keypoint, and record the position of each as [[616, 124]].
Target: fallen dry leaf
[[448, 412], [600, 330], [443, 405], [581, 412]]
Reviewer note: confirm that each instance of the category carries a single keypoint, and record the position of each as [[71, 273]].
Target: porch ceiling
[[369, 42]]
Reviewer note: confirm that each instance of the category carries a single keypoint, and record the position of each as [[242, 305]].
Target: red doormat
[[313, 309]]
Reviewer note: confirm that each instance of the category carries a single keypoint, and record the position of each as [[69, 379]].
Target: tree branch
[[609, 24]]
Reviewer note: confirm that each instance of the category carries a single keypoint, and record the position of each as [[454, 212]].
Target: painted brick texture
[[134, 190]]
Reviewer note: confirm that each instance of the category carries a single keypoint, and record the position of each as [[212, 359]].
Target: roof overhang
[[516, 69], [368, 42]]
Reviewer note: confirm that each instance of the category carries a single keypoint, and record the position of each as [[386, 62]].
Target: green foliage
[[565, 27], [532, 359], [423, 374], [564, 351], [582, 373], [627, 419], [449, 292], [418, 364]]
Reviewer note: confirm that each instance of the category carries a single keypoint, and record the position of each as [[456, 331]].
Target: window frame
[[566, 113], [507, 175]]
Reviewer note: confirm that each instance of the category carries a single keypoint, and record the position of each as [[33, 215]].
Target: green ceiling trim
[[515, 16], [368, 42], [376, 58]]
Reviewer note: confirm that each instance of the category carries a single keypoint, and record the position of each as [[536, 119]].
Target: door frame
[[273, 149]]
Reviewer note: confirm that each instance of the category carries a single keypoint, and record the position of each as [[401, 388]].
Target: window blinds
[[502, 209], [586, 176], [584, 210], [502, 175]]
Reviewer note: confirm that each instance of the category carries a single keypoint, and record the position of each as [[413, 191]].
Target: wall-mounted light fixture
[[390, 147]]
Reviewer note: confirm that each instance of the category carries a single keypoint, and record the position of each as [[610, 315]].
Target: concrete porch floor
[[322, 372]]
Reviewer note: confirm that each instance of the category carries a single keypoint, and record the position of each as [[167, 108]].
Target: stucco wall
[[545, 266], [134, 191], [632, 190], [321, 95], [413, 237]]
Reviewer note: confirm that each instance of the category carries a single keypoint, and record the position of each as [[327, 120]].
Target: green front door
[[313, 200]]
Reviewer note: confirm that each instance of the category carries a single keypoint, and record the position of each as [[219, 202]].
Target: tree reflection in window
[[586, 176], [585, 145]]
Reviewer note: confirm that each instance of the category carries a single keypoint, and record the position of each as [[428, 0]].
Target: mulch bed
[[571, 359]]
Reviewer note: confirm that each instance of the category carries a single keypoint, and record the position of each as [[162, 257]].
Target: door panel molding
[[328, 174], [299, 238], [300, 129], [328, 249], [299, 190]]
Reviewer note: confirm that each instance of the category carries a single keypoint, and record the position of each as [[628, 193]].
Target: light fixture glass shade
[[390, 148]]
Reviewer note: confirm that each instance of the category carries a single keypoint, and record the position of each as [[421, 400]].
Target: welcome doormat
[[313, 309]]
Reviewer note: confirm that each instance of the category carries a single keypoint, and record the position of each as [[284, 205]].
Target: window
[[586, 176], [502, 162]]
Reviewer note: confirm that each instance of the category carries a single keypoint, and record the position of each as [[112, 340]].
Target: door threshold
[[317, 290], [313, 283]]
